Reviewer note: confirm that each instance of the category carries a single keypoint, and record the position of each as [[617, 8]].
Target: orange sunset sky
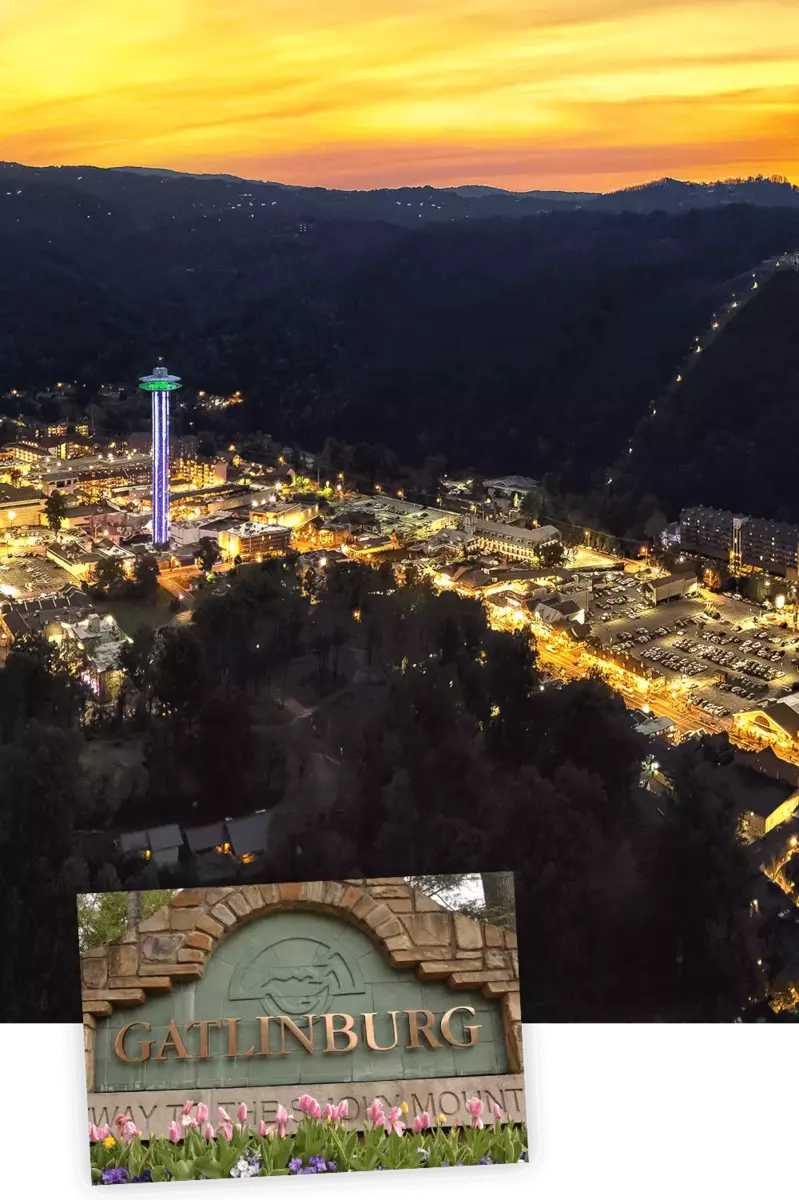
[[574, 94]]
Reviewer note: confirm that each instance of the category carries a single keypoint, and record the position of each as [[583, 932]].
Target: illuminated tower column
[[160, 383], [736, 548]]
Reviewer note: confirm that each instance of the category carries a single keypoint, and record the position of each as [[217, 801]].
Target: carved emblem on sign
[[296, 976]]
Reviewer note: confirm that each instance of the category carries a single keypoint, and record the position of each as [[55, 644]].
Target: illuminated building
[[96, 477], [776, 725], [291, 515], [736, 550], [160, 383], [25, 452], [512, 542], [251, 542], [19, 506], [670, 587], [94, 644], [746, 542], [200, 472]]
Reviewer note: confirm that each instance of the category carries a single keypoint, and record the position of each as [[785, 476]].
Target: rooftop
[[73, 553], [255, 529], [512, 483], [666, 580], [10, 495], [534, 537]]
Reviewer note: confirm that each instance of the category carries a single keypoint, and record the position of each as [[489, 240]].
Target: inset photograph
[[301, 1028]]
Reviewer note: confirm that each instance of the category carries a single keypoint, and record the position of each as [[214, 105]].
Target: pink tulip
[[497, 1111], [327, 1112], [241, 1113], [129, 1133], [375, 1112], [228, 1120], [103, 1132], [202, 1114], [208, 1132], [187, 1107], [94, 1133], [174, 1132], [425, 1119], [306, 1103], [417, 1125], [343, 1109], [474, 1107], [226, 1128], [263, 1128], [283, 1119], [457, 1121], [394, 1121]]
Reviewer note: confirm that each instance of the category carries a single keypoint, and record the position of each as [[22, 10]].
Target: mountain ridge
[[209, 191]]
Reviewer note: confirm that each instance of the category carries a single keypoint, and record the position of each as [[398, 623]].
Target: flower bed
[[314, 1144]]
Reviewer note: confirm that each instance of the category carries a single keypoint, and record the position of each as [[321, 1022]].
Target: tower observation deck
[[160, 383]]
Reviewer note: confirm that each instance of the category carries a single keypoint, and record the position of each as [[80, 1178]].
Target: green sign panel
[[299, 998]]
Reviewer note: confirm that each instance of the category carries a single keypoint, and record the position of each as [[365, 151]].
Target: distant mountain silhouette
[[140, 194]]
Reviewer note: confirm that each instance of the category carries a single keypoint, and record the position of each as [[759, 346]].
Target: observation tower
[[160, 383]]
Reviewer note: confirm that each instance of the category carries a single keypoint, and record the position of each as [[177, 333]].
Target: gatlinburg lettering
[[332, 1033]]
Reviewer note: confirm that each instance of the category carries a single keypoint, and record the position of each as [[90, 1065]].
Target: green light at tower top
[[159, 381]]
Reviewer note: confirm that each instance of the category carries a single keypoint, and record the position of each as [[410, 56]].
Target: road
[[576, 662], [178, 583]]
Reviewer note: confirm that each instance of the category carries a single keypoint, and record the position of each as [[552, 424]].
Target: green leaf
[[209, 1167]]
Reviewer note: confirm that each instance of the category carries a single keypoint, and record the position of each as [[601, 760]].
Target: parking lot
[[721, 667]]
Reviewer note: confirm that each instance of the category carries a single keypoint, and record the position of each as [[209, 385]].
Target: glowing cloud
[[551, 93]]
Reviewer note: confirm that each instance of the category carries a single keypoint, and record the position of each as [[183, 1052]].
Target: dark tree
[[55, 507]]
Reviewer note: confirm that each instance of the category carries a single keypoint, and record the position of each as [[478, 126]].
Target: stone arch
[[410, 929]]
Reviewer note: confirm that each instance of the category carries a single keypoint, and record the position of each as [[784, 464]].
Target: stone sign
[[153, 1112], [261, 993]]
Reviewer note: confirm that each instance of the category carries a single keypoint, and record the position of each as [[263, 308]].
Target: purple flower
[[331, 1166], [116, 1175], [295, 1166], [145, 1177]]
